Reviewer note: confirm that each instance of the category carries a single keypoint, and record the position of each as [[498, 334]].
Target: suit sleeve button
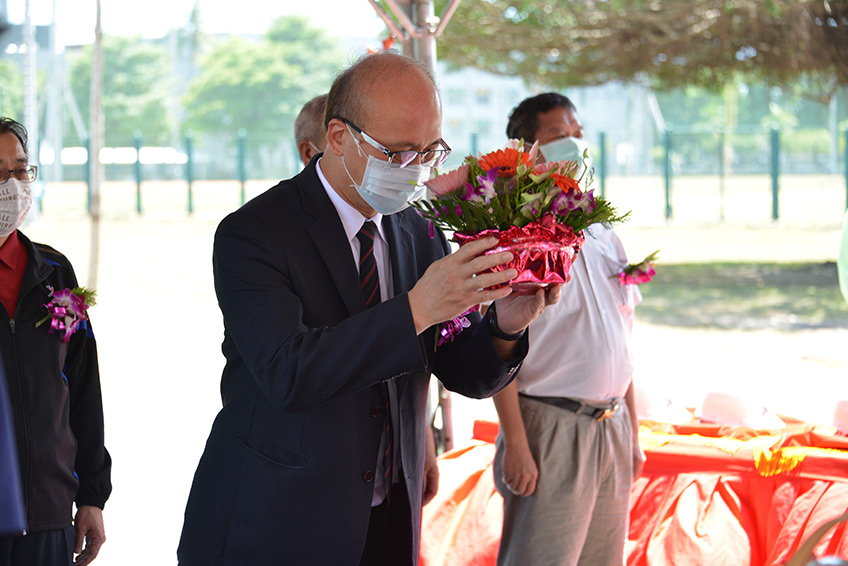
[[376, 411], [368, 476]]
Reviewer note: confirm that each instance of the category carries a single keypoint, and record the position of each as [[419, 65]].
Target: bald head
[[352, 94]]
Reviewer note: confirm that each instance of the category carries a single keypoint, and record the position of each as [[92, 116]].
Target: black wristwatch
[[492, 321]]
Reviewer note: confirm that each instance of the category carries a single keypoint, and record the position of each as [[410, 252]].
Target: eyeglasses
[[25, 174], [429, 157]]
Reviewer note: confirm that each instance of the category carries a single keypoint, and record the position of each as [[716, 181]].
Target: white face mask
[[15, 202], [568, 149], [388, 187]]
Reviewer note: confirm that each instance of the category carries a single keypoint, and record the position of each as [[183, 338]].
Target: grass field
[[745, 296]]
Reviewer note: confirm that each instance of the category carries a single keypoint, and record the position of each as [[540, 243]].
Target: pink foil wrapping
[[543, 252]]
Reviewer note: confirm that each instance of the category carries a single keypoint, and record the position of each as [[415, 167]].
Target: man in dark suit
[[317, 455]]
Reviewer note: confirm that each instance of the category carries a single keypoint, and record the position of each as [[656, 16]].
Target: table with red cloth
[[708, 494]]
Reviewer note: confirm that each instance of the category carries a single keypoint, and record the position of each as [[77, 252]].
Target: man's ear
[[305, 151], [336, 132]]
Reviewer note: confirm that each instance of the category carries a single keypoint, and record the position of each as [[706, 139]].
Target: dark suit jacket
[[286, 476]]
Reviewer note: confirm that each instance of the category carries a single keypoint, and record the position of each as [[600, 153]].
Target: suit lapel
[[404, 273], [329, 237], [401, 253]]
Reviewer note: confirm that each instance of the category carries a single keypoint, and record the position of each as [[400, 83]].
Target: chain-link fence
[[726, 173]]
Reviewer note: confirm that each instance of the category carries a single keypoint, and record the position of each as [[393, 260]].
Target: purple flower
[[486, 189], [66, 310], [450, 329], [563, 204], [530, 209]]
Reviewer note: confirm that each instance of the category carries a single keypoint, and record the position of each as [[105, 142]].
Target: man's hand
[[450, 286], [516, 312], [88, 524], [431, 469], [519, 469]]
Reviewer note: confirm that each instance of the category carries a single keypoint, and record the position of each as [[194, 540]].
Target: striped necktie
[[368, 276], [370, 281]]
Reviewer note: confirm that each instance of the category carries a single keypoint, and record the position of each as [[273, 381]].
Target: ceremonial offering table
[[708, 494]]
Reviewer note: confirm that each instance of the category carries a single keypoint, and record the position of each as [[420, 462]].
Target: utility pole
[[30, 83], [416, 26], [96, 127], [53, 118]]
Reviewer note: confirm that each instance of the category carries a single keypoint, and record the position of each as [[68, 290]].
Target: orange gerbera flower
[[507, 159], [565, 182]]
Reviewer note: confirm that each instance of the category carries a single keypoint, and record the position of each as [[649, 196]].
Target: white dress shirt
[[580, 347], [352, 221]]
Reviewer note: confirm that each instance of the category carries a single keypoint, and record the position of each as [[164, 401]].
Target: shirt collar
[[10, 252], [352, 219]]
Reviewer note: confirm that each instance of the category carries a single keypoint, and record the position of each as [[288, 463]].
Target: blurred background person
[[309, 134], [568, 449]]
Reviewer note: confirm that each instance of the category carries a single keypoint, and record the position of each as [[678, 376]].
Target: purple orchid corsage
[[67, 309], [450, 329]]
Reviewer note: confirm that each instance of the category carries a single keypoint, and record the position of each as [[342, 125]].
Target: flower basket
[[543, 252], [538, 211]]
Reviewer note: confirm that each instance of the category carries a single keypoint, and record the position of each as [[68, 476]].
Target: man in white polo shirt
[[568, 451]]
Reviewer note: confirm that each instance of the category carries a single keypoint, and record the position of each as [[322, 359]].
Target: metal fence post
[[721, 175], [88, 174], [189, 172], [603, 164], [57, 156], [242, 170], [775, 171], [667, 139], [137, 140]]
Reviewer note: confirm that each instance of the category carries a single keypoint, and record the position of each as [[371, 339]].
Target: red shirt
[[13, 261]]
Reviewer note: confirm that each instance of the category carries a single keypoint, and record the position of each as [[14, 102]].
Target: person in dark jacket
[[53, 384]]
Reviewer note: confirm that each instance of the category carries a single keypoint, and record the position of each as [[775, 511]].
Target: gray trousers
[[578, 514]]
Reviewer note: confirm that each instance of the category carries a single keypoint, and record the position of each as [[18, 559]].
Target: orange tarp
[[708, 495]]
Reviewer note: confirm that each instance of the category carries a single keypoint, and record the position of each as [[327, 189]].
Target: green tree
[[135, 89], [11, 90], [669, 42], [260, 86]]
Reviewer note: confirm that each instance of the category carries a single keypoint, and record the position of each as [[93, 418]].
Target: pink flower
[[636, 275], [448, 182]]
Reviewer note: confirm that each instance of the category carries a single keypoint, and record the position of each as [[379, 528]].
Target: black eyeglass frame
[[438, 157], [26, 174]]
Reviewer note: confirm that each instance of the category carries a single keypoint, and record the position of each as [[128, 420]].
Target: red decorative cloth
[[708, 495]]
